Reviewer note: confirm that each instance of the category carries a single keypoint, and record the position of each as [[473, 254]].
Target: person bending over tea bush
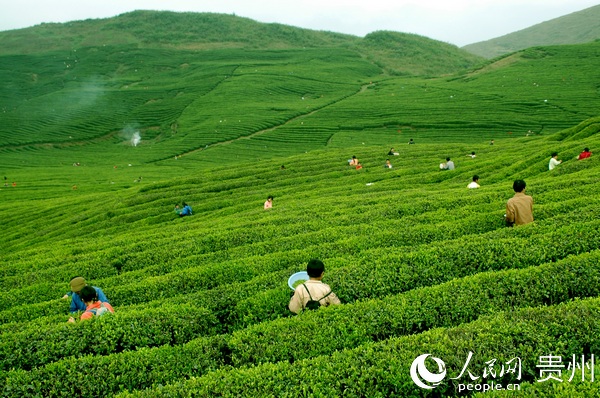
[[554, 161], [474, 183], [269, 203], [77, 303], [185, 211], [585, 154], [94, 307], [313, 293], [519, 208]]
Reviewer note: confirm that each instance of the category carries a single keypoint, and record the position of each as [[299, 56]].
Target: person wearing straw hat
[[77, 303], [313, 291], [94, 307]]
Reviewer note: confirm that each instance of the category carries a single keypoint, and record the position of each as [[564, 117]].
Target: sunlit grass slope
[[421, 264], [578, 27], [225, 106], [185, 81]]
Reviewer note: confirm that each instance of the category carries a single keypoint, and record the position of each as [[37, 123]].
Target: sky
[[458, 22]]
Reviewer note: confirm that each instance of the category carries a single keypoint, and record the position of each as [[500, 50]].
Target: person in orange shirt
[[94, 307]]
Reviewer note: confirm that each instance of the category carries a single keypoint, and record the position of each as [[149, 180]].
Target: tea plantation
[[422, 264]]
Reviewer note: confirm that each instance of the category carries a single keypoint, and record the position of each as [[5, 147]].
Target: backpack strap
[[319, 300], [331, 291], [307, 291]]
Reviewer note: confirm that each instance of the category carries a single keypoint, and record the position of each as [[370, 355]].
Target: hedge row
[[348, 326], [220, 301], [261, 242], [375, 273], [380, 272], [382, 369], [134, 254], [406, 237], [448, 304], [231, 245], [576, 387], [172, 325]]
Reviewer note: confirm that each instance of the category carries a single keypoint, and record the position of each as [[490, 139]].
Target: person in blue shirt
[[77, 303], [186, 211]]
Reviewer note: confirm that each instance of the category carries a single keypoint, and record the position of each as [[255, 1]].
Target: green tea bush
[[106, 335], [117, 372], [381, 369], [444, 305]]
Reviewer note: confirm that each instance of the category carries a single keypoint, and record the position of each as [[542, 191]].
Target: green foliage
[[400, 52], [421, 263], [105, 335], [380, 369], [118, 372]]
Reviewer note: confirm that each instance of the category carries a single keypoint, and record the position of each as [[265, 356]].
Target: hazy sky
[[458, 22]]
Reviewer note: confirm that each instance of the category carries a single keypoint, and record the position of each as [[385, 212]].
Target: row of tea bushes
[[572, 384], [381, 272], [374, 272], [382, 369], [170, 325], [329, 330], [444, 305]]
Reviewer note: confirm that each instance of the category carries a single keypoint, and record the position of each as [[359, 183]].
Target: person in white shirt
[[554, 161], [449, 165], [475, 182]]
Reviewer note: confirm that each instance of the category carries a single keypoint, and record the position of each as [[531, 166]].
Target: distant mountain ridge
[[578, 27], [397, 53]]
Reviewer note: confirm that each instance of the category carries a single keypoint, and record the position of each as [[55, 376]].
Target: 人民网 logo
[[421, 375]]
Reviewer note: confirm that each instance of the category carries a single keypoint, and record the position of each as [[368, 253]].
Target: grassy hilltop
[[578, 27], [421, 264]]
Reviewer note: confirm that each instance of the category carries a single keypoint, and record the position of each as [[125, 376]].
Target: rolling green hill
[[421, 263], [398, 53], [579, 27], [226, 106]]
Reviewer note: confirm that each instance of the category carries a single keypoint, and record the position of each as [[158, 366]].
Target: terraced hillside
[[422, 265], [229, 106], [186, 82]]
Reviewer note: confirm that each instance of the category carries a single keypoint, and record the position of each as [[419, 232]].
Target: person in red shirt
[[585, 154]]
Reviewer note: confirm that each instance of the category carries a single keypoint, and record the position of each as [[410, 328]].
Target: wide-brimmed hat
[[77, 284]]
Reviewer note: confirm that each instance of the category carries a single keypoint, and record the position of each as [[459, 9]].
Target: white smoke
[[136, 138], [131, 134]]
